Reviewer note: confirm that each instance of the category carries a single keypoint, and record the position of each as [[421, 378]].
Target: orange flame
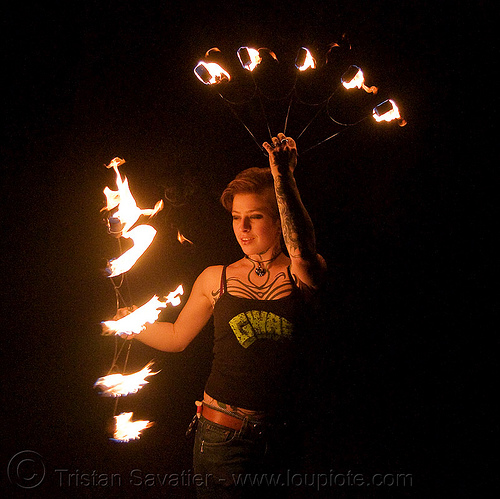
[[128, 212], [142, 236], [136, 321], [249, 58], [183, 239], [127, 215], [354, 78], [388, 111], [211, 73], [304, 60], [117, 385], [126, 429], [115, 162]]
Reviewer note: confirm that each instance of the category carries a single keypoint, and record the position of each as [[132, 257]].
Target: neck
[[266, 256], [261, 266]]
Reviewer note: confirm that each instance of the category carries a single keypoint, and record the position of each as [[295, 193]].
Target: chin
[[248, 251]]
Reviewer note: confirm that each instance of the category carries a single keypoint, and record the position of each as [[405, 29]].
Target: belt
[[222, 418]]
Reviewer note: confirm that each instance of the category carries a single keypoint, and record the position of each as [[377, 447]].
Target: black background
[[399, 216]]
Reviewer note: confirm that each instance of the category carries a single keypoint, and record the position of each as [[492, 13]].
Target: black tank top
[[254, 343]]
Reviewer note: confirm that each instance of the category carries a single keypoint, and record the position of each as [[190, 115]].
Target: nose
[[245, 224]]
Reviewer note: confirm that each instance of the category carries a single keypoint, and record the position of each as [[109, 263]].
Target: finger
[[267, 147], [284, 140]]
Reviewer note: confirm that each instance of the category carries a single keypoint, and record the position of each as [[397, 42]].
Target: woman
[[257, 303]]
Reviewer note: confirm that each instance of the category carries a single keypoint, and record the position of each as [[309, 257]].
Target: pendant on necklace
[[260, 271]]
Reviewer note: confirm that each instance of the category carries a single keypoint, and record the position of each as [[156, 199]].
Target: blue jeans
[[239, 463]]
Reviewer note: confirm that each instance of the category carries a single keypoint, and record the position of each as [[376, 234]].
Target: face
[[255, 224]]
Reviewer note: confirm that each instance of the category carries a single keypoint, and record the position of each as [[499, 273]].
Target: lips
[[246, 240]]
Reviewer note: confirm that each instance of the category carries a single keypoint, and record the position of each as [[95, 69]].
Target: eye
[[236, 217], [256, 217]]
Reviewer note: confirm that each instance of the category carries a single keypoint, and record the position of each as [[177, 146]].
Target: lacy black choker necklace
[[260, 270]]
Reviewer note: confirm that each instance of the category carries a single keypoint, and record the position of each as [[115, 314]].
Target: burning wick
[[304, 60], [388, 111], [249, 58], [126, 430], [117, 385], [136, 321], [211, 73], [354, 78]]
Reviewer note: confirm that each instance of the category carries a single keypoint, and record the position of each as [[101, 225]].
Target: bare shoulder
[[210, 276], [209, 282]]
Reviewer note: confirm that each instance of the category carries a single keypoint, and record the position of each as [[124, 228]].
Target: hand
[[120, 313], [282, 154], [123, 312]]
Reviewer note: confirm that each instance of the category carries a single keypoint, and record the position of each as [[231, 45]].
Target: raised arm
[[296, 224], [175, 337]]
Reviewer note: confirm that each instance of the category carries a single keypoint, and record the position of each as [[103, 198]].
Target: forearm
[[296, 224], [176, 336], [161, 335]]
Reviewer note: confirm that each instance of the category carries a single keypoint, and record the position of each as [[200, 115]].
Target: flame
[[126, 429], [211, 73], [304, 60], [354, 78], [116, 385], [249, 58], [136, 321], [388, 111], [174, 297], [116, 162], [128, 212], [125, 217], [142, 236], [183, 239]]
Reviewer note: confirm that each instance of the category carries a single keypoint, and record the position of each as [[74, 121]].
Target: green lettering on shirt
[[259, 324]]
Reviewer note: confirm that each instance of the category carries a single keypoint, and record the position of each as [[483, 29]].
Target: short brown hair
[[252, 180]]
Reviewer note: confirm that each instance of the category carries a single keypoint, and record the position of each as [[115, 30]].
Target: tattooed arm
[[296, 225]]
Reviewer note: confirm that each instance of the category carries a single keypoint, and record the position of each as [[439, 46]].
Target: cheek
[[274, 230]]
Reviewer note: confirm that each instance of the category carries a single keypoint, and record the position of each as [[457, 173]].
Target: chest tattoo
[[260, 288]]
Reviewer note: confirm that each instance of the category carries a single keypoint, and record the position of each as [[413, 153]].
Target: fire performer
[[258, 304]]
